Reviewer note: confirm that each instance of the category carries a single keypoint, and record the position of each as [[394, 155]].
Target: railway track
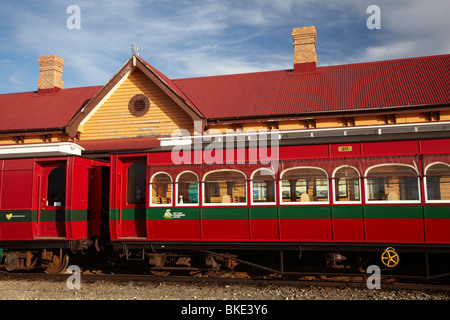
[[242, 278], [224, 297]]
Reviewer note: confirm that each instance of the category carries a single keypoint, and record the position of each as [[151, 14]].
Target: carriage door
[[52, 200], [132, 198]]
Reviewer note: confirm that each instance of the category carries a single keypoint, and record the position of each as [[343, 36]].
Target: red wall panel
[[302, 152], [390, 148], [17, 190], [435, 146]]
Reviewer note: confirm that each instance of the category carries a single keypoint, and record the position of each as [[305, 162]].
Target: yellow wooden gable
[[110, 113], [114, 119]]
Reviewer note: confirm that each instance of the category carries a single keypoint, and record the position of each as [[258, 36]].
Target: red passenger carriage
[[357, 197], [48, 206]]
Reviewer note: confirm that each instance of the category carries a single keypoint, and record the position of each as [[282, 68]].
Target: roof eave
[[328, 113], [32, 132]]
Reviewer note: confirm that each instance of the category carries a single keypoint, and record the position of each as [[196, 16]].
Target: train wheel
[[155, 261], [216, 273], [215, 267], [390, 258], [162, 273], [218, 266], [11, 261], [58, 264]]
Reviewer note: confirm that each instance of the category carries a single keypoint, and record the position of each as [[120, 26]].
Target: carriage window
[[304, 185], [161, 189], [263, 186], [392, 182], [346, 185], [225, 187], [187, 192], [136, 183], [56, 187], [438, 182]]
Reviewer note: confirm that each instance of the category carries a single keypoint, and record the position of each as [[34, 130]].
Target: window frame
[[127, 185], [335, 192], [251, 189], [234, 204], [291, 203], [151, 204], [50, 184], [176, 191], [366, 178], [425, 183]]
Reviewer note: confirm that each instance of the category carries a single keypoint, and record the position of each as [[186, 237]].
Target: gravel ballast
[[29, 289]]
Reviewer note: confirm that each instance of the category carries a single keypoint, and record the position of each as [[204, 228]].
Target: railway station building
[[139, 108]]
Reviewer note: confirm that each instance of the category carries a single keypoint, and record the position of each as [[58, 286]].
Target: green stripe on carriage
[[77, 215], [62, 215], [264, 213], [393, 212], [114, 214], [128, 214], [45, 215], [305, 212], [347, 212], [52, 215], [288, 212], [437, 212], [225, 213]]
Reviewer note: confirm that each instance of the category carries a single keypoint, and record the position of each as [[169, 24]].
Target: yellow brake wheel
[[390, 258]]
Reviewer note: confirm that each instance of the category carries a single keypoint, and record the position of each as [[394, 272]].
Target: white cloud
[[409, 28], [198, 64], [15, 80], [391, 51]]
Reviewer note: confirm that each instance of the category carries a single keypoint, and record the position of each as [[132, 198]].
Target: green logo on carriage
[[173, 215]]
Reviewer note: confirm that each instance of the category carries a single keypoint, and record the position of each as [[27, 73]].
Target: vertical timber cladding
[[114, 120]]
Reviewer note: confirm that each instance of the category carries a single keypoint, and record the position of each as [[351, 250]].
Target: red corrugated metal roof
[[363, 86], [393, 83], [170, 84], [120, 144], [32, 111]]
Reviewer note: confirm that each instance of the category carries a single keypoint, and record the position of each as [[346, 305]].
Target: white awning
[[40, 150]]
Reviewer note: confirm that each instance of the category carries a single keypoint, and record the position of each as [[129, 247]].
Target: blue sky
[[187, 38]]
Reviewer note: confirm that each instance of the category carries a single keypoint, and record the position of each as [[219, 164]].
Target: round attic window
[[139, 105]]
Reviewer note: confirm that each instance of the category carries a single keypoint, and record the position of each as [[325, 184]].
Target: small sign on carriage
[[345, 149]]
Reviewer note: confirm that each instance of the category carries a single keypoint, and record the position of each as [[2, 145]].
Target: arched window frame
[[251, 189], [177, 189], [366, 197], [152, 204], [335, 192], [280, 191], [426, 182], [223, 204]]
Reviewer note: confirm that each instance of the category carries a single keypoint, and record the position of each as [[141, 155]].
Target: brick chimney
[[305, 59], [50, 74]]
